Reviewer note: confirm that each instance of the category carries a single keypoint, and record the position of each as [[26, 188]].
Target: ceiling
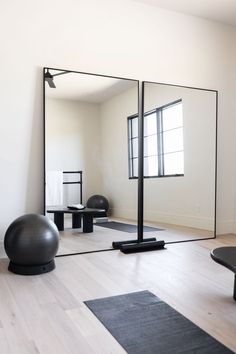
[[86, 88], [216, 10]]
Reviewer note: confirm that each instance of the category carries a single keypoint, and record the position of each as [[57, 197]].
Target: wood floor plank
[[74, 240], [45, 314], [99, 339]]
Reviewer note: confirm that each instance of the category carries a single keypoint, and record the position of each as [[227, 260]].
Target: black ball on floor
[[31, 243], [98, 202]]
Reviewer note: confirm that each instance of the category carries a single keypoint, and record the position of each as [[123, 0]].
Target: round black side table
[[226, 256]]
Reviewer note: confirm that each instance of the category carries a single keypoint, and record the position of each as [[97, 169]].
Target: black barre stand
[[140, 244]]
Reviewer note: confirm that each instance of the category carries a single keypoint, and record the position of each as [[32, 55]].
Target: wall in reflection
[[121, 190], [89, 133], [188, 148], [73, 143]]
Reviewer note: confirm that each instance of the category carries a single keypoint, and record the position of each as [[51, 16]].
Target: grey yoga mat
[[119, 226], [144, 324]]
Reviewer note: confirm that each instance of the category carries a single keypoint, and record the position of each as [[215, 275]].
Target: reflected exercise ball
[[98, 202], [31, 243]]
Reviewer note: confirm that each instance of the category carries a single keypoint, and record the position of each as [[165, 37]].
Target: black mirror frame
[[140, 191], [216, 152]]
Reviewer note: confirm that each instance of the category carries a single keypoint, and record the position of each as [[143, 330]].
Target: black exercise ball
[[31, 243], [98, 202]]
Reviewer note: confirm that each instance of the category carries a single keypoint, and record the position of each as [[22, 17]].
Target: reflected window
[[133, 146], [163, 142]]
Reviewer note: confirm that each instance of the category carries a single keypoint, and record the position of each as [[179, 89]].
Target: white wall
[[121, 38], [187, 200], [93, 138], [117, 187], [73, 143]]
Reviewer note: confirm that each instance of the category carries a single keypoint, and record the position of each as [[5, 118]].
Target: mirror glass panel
[[179, 161], [86, 154]]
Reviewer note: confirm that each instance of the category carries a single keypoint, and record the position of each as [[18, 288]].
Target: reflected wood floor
[[74, 240], [45, 314]]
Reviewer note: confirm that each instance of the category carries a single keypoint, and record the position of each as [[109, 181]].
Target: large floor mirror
[[180, 128], [86, 155], [91, 152]]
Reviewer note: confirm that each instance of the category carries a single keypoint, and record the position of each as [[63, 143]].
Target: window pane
[[130, 168], [150, 145], [134, 127], [135, 168], [174, 163], [173, 140], [172, 117], [129, 128], [130, 148], [151, 166], [150, 124], [134, 143]]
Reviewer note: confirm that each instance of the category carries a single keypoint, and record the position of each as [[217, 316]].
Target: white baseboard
[[123, 213], [225, 227], [222, 226], [198, 222], [168, 218]]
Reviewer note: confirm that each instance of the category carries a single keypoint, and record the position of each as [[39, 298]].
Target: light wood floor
[[74, 240], [45, 314]]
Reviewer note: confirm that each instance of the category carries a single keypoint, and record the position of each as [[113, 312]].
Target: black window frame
[[160, 154], [130, 146]]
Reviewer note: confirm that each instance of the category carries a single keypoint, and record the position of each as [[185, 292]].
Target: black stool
[[226, 256]]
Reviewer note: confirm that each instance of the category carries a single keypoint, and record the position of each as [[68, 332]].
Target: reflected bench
[[87, 214], [226, 256]]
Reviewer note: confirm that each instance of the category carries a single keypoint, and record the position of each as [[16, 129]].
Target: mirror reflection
[[88, 190], [179, 161]]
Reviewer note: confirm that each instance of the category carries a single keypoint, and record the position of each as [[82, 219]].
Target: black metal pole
[[44, 143], [234, 295], [216, 163], [147, 244], [140, 161]]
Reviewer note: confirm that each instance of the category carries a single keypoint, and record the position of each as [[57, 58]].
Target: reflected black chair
[[226, 256]]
